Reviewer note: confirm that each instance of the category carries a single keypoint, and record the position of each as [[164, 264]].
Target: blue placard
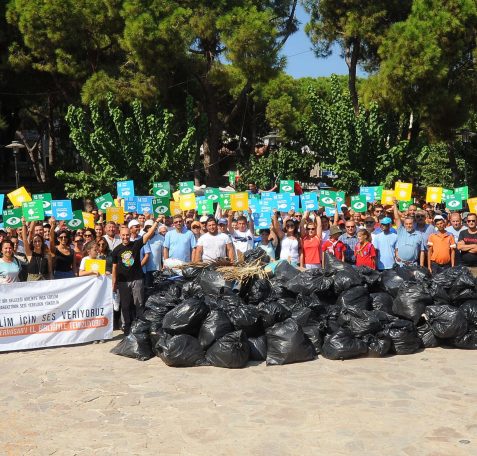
[[369, 193], [264, 220], [330, 211], [62, 209], [2, 199], [255, 205], [284, 201], [309, 201], [144, 204], [295, 203], [269, 195], [125, 189], [130, 204]]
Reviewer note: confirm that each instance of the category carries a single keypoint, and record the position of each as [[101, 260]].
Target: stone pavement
[[82, 400]]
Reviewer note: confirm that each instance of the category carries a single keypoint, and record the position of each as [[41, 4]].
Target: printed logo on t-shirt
[[127, 258]]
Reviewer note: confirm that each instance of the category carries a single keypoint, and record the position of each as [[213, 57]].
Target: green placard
[[446, 193], [340, 198], [33, 211], [186, 188], [104, 201], [224, 201], [462, 191], [12, 218], [232, 177], [379, 192], [77, 222], [45, 198], [454, 202], [358, 203], [404, 205], [287, 186], [327, 198], [212, 194], [161, 189], [161, 206], [205, 207]]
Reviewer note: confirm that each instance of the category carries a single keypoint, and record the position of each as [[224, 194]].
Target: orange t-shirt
[[311, 247], [442, 244]]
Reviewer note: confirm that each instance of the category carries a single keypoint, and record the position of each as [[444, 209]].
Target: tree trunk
[[352, 52], [51, 134], [35, 157]]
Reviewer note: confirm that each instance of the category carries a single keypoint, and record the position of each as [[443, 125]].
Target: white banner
[[48, 313]]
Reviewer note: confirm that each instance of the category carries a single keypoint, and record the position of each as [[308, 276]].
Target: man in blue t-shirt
[[385, 244], [178, 245]]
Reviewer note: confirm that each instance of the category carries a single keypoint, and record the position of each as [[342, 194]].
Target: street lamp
[[272, 140], [16, 146]]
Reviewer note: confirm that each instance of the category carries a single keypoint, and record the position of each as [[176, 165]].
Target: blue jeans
[[63, 275]]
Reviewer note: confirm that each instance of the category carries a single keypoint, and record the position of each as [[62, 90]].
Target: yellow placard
[[434, 195], [88, 220], [187, 202], [115, 214], [472, 202], [19, 196], [176, 196], [239, 201], [175, 208], [387, 197], [403, 191], [95, 266]]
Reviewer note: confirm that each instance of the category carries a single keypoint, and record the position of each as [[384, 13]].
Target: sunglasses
[[471, 220], [378, 210], [62, 237], [177, 221], [88, 235], [310, 229], [349, 226], [369, 223], [78, 240], [196, 227], [290, 226], [420, 216]]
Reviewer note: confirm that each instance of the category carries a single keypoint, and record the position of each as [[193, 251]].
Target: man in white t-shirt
[[213, 245], [242, 235]]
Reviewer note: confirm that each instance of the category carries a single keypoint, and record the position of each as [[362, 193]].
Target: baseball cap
[[369, 219], [438, 217], [148, 223], [132, 223], [203, 219], [343, 206], [223, 221], [386, 221], [335, 230], [195, 224]]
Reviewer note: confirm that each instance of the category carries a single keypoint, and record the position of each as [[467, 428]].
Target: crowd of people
[[380, 238]]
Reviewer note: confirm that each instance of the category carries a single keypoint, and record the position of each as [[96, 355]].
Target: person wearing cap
[[203, 224], [333, 245], [385, 245], [468, 244], [441, 247], [151, 254], [134, 228], [242, 235], [178, 244], [128, 276]]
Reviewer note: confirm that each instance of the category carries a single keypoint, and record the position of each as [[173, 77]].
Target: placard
[[287, 186], [462, 191], [94, 265], [33, 211], [88, 220], [19, 196], [161, 189], [77, 222], [239, 201], [46, 199], [125, 188], [358, 203], [327, 198], [402, 191], [62, 209], [2, 199], [212, 194], [160, 206], [144, 204], [309, 201], [175, 208], [115, 214], [205, 207], [130, 204], [404, 205], [387, 197], [340, 199], [104, 201], [187, 202], [472, 203], [284, 202], [434, 195], [186, 188], [12, 218], [454, 202]]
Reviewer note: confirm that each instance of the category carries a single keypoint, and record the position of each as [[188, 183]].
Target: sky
[[301, 61]]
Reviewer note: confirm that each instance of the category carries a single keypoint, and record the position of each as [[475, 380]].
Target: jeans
[[131, 298], [63, 274], [436, 268]]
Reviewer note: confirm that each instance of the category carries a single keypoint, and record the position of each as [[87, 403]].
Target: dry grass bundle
[[205, 264], [243, 272]]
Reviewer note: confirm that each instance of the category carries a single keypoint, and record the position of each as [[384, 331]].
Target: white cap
[[132, 223], [438, 217], [148, 223], [203, 219]]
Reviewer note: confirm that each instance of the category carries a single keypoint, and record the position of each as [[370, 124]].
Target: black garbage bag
[[343, 345], [213, 283], [333, 265], [379, 344], [247, 318], [137, 344], [424, 331], [356, 297], [315, 335], [186, 318], [446, 322], [331, 318], [156, 316], [286, 344], [369, 276], [469, 308], [191, 272], [191, 289], [382, 301], [173, 294], [306, 282], [438, 294], [273, 312], [403, 334], [446, 278], [155, 333], [344, 280], [279, 290], [390, 282], [463, 288], [231, 351], [256, 254], [215, 326], [258, 348], [180, 351], [411, 301], [284, 271], [468, 341], [359, 322], [259, 290], [418, 273], [301, 315]]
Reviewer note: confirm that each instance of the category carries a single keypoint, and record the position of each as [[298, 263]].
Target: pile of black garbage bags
[[340, 312]]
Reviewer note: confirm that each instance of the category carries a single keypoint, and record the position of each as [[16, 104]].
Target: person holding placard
[[410, 245], [40, 265], [289, 240], [155, 247], [310, 231], [91, 253], [385, 245]]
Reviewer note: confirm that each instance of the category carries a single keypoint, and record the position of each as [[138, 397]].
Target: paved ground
[[82, 400]]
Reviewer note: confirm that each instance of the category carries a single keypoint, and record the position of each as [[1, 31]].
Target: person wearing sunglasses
[[64, 260], [441, 247], [349, 238], [467, 244], [178, 244], [290, 244], [40, 265], [310, 256]]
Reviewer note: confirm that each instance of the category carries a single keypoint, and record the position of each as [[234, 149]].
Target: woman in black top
[[64, 265], [39, 260]]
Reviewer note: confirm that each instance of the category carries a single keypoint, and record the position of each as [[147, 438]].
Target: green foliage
[[115, 146], [435, 167], [283, 163]]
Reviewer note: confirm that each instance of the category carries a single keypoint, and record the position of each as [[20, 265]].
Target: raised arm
[[52, 235], [397, 214], [276, 226], [303, 222], [26, 242], [151, 231], [319, 229], [251, 225], [230, 219]]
